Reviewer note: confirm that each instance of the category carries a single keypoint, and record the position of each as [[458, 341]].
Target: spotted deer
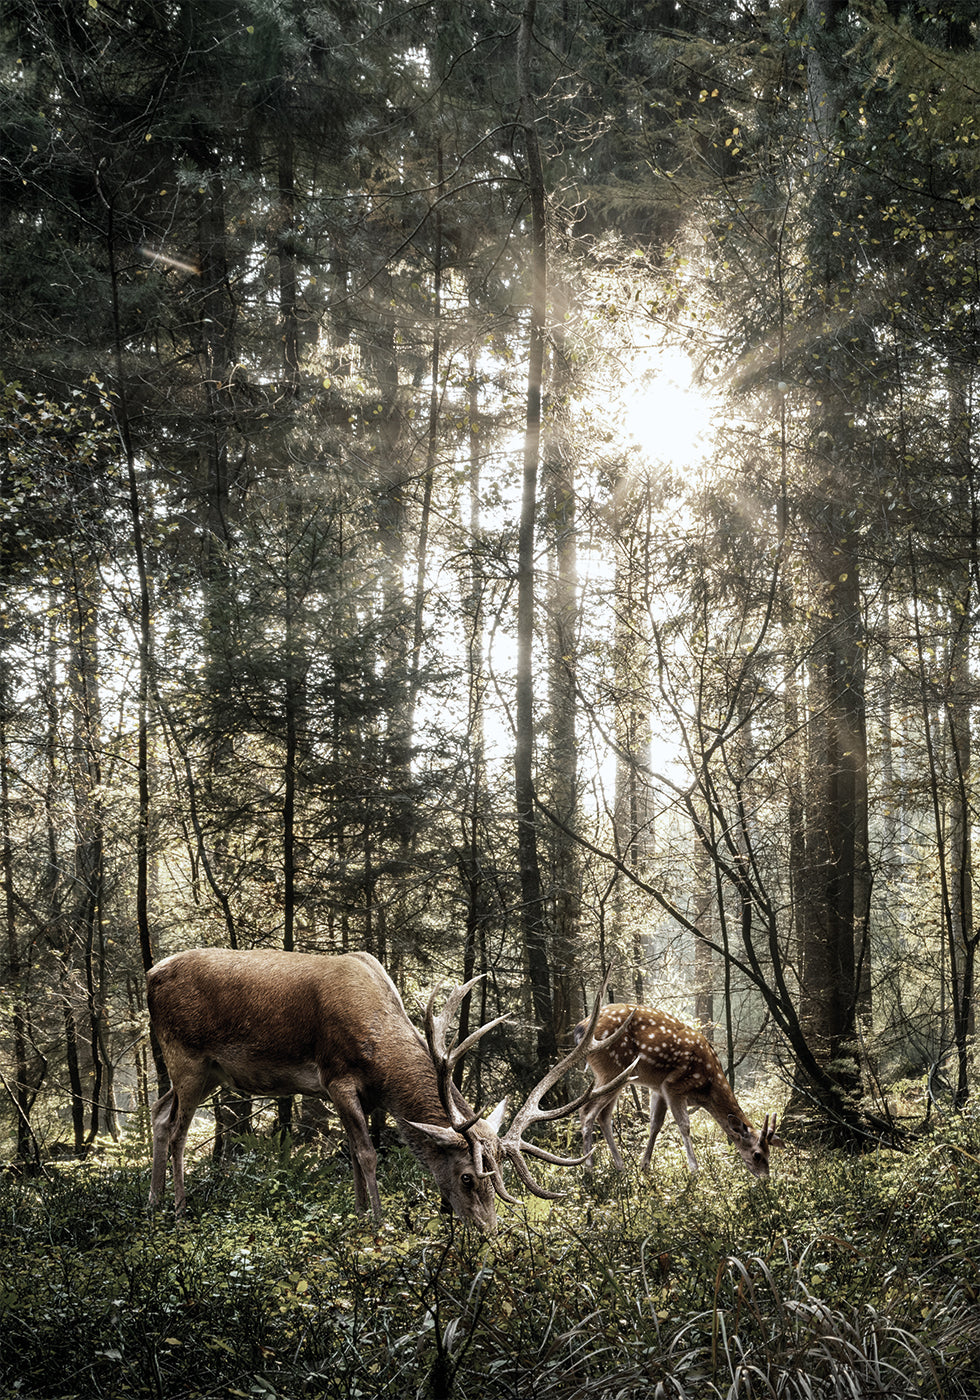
[[273, 1024], [682, 1072]]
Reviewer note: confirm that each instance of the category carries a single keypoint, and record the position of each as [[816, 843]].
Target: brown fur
[[682, 1072], [277, 1024]]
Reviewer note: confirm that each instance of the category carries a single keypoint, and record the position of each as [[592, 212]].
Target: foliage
[[271, 317], [844, 1276]]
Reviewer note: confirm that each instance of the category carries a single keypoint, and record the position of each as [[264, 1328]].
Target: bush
[[845, 1276]]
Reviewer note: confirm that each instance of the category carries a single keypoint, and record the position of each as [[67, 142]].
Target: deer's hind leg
[[160, 1116], [171, 1117], [658, 1112]]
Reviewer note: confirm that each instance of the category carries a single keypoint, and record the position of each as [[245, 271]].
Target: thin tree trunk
[[632, 648], [88, 906], [432, 439], [962, 935], [25, 1083], [143, 633], [559, 475], [474, 943]]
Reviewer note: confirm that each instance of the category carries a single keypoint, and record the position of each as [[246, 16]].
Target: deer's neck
[[411, 1089], [724, 1109]]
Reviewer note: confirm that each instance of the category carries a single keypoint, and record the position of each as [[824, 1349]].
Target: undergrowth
[[843, 1277]]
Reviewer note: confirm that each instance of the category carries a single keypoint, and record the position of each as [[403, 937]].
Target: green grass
[[844, 1276]]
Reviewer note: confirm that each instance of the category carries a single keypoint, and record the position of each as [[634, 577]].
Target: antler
[[513, 1145], [446, 1059]]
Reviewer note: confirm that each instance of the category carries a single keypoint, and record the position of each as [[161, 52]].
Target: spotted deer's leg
[[678, 1107], [587, 1116], [600, 1111], [605, 1118], [658, 1112]]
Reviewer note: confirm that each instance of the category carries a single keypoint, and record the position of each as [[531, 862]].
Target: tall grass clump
[[843, 1277]]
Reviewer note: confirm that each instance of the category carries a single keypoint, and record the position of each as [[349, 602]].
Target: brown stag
[[274, 1024], [683, 1073]]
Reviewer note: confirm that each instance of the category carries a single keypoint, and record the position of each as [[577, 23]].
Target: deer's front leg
[[678, 1107], [364, 1159]]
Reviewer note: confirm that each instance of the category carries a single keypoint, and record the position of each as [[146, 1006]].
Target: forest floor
[[844, 1276]]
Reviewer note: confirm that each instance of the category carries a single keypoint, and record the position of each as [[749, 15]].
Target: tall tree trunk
[[961, 933], [534, 918], [394, 490], [432, 437], [216, 335], [294, 680], [143, 625], [632, 651], [832, 916], [216, 329], [833, 897], [58, 916]]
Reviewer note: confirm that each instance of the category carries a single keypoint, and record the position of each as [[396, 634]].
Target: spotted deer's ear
[[769, 1134]]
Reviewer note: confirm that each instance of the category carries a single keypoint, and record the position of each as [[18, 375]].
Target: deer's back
[[336, 1013], [665, 1048]]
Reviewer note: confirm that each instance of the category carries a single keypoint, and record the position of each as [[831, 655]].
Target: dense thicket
[[352, 600]]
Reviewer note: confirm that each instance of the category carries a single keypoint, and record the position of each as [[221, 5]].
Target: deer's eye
[[466, 1181]]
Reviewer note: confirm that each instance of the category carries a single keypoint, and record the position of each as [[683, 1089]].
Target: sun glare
[[664, 413]]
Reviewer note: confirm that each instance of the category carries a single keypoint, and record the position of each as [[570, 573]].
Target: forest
[[494, 485]]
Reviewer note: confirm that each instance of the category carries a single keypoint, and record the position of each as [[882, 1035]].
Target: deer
[[683, 1073], [274, 1024]]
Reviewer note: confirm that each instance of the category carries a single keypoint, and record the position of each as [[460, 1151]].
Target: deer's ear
[[444, 1137], [769, 1133], [736, 1126], [495, 1120]]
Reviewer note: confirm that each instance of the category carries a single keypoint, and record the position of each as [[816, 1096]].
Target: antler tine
[[445, 1058], [521, 1167], [532, 1112], [594, 1091], [515, 1150], [436, 1027], [512, 1143]]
